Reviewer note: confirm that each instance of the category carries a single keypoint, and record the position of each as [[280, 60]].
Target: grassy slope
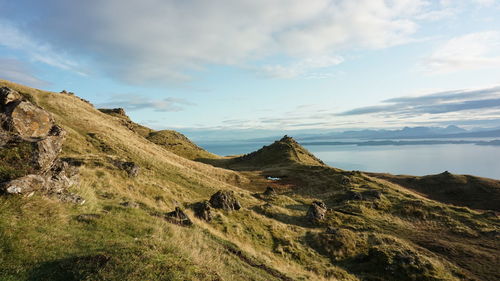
[[284, 152], [179, 144], [41, 239], [461, 190], [168, 139]]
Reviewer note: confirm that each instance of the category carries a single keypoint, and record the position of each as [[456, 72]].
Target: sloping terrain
[[461, 190], [138, 221], [170, 140], [283, 152], [179, 144]]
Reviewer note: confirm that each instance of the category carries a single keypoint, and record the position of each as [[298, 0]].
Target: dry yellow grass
[[39, 235]]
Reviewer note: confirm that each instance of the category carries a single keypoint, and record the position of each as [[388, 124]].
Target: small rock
[[269, 191], [24, 185], [353, 195], [316, 211], [131, 168], [178, 217], [331, 230], [372, 194], [129, 204], [203, 210], [226, 200], [345, 180]]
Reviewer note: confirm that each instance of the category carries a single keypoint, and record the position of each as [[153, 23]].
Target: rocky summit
[[88, 194]]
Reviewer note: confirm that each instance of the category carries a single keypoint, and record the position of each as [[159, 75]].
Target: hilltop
[[170, 140], [120, 204], [281, 153]]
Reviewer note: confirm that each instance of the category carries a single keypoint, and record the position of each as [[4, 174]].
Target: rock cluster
[[226, 200], [316, 211], [30, 143], [203, 210]]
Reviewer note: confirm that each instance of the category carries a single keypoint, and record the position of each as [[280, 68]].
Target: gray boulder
[[178, 217], [203, 210], [316, 212], [226, 200], [30, 144]]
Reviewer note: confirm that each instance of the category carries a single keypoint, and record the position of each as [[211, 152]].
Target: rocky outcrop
[[178, 217], [131, 168], [226, 200], [30, 143], [203, 210], [316, 212], [114, 111]]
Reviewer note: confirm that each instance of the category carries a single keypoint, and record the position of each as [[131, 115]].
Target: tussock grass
[[400, 236]]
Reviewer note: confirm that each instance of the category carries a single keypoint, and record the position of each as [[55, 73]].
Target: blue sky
[[269, 65]]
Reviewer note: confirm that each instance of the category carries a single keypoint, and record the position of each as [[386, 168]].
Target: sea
[[419, 160]]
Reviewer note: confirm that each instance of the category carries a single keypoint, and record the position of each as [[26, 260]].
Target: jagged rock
[[226, 200], [115, 111], [178, 217], [7, 95], [316, 211], [345, 180], [30, 144], [353, 195], [24, 185], [203, 210], [61, 176], [269, 191], [56, 180], [131, 168]]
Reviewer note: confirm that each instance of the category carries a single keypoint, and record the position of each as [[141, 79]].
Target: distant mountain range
[[409, 133]]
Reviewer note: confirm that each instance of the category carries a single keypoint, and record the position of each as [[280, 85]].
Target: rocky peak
[[118, 112], [30, 143]]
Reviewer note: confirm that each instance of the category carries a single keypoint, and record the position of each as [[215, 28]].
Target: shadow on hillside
[[69, 269], [216, 162], [284, 218]]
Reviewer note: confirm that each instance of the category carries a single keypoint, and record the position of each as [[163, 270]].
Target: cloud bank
[[135, 102], [155, 40]]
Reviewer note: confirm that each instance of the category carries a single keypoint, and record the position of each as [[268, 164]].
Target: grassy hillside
[[373, 229], [168, 139], [179, 144], [461, 190], [283, 152]]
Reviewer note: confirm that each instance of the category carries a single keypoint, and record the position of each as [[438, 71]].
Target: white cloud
[[486, 2], [301, 68], [158, 40], [136, 102], [11, 37], [470, 51], [17, 71]]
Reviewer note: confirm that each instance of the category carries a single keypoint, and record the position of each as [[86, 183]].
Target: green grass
[[15, 161], [401, 236]]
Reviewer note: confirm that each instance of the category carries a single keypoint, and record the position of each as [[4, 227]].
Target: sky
[[274, 65]]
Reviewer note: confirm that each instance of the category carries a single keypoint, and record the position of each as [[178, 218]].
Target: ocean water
[[417, 160]]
